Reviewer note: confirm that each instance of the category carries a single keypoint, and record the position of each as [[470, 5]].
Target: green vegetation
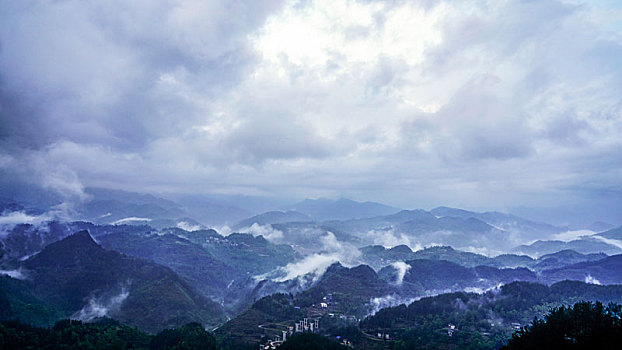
[[351, 288], [585, 325], [189, 260], [309, 341], [244, 332], [74, 272], [480, 321], [18, 303], [68, 334], [190, 336], [103, 334]]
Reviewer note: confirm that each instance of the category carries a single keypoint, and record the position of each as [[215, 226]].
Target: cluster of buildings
[[384, 336], [305, 325]]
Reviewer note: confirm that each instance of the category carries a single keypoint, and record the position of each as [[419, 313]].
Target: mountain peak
[[79, 239], [79, 243]]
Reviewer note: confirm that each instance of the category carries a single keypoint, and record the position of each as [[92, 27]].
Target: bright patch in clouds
[[348, 33]]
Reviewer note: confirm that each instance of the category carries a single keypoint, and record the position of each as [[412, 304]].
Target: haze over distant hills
[[130, 256]]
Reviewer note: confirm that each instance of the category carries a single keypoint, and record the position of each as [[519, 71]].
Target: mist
[[101, 306]]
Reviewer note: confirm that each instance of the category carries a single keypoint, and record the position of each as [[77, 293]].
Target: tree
[[585, 325]]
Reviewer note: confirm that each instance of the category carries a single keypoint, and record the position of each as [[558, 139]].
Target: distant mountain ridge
[[341, 209], [507, 222], [589, 245], [272, 217]]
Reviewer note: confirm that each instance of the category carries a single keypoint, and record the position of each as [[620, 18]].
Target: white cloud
[[572, 235], [17, 274], [131, 219], [614, 242], [100, 307], [20, 217], [591, 280], [316, 264], [401, 268], [389, 238], [392, 300], [267, 231], [186, 226]]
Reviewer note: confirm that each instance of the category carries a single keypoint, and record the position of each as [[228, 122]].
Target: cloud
[[315, 264], [17, 274], [389, 238], [456, 103], [572, 235], [392, 300], [187, 226], [267, 231], [20, 217], [9, 219], [614, 242], [130, 220], [100, 307], [480, 290], [591, 280], [401, 268]]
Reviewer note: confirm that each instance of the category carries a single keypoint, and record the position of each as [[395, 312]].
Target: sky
[[478, 104]]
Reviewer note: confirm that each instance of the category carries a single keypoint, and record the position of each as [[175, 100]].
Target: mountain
[[429, 275], [190, 261], [378, 256], [114, 206], [106, 206], [24, 240], [458, 232], [249, 254], [219, 267], [247, 329], [614, 233], [272, 217], [17, 302], [8, 205], [212, 212], [564, 258], [360, 282], [588, 245], [420, 277], [81, 279], [447, 253], [381, 222], [478, 321], [600, 226], [603, 271], [513, 260], [342, 209], [425, 229], [527, 229], [102, 333], [307, 237]]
